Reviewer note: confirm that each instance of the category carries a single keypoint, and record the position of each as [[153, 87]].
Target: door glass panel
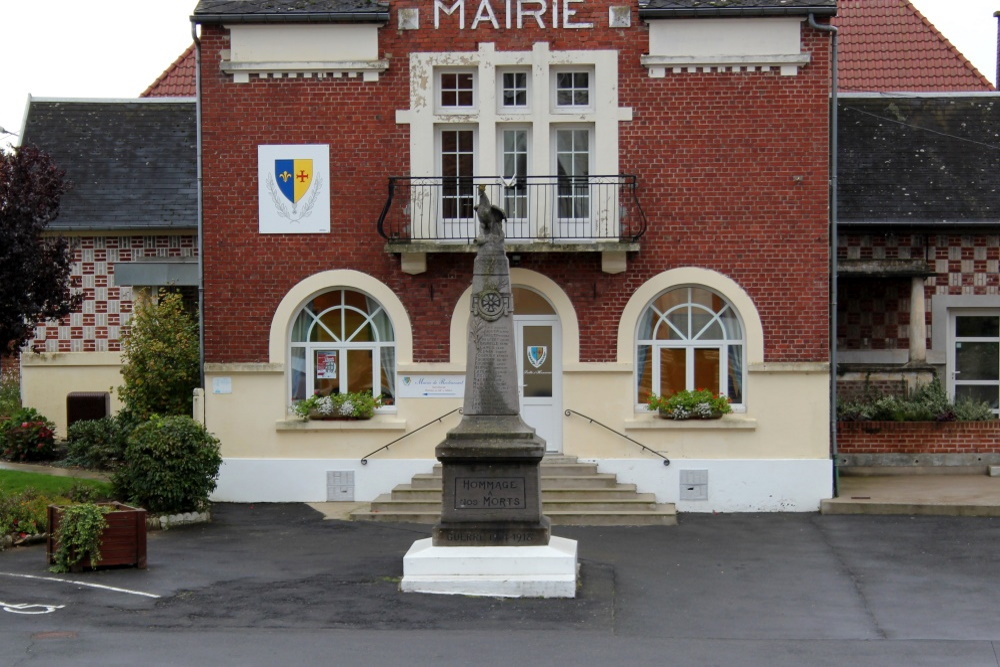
[[359, 370], [537, 362], [975, 326], [979, 393], [326, 364], [673, 366], [706, 369], [977, 361]]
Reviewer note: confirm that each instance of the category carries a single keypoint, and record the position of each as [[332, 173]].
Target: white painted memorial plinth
[[530, 572]]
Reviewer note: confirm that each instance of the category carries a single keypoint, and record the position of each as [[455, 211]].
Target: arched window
[[690, 338], [342, 341]]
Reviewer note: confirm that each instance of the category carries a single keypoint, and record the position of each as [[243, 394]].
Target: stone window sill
[[376, 423], [731, 422]]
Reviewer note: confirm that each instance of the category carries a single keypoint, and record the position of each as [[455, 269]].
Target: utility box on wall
[[694, 485], [340, 485]]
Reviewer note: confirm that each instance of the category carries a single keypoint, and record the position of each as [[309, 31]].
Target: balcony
[[437, 214]]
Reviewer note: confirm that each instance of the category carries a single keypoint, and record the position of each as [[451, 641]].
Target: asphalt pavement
[[281, 585]]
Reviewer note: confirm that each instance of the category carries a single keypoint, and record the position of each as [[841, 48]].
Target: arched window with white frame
[[342, 341], [691, 338]]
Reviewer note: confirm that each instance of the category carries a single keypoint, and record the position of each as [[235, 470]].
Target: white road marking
[[25, 608], [81, 583]]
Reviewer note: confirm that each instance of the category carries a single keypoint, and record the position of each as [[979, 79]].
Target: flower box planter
[[123, 542]]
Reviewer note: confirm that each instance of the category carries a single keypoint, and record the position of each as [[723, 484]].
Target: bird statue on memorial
[[490, 216]]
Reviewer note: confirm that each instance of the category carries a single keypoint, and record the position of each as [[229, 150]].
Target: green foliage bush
[[160, 359], [27, 436], [10, 393], [99, 443], [356, 405], [173, 464], [24, 513], [78, 536], [688, 404], [927, 402]]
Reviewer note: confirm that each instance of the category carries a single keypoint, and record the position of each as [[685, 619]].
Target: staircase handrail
[[570, 412], [364, 459]]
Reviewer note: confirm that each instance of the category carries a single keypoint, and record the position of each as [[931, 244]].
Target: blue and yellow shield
[[293, 177]]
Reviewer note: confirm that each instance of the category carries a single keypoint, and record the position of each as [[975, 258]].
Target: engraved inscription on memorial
[[489, 493]]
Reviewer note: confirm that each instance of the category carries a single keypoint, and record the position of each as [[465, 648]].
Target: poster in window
[[293, 189], [326, 365]]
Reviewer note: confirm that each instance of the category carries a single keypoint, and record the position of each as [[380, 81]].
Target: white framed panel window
[[456, 147], [974, 356], [690, 338], [456, 90], [514, 157], [573, 157], [514, 94], [342, 341], [572, 90]]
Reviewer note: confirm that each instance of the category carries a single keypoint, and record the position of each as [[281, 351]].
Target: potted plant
[[352, 405], [690, 404], [95, 535]]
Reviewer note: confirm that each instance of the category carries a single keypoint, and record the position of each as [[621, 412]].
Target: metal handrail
[[364, 459], [570, 412], [554, 209]]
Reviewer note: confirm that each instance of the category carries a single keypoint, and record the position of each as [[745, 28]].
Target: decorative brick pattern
[[103, 318], [918, 437], [874, 314]]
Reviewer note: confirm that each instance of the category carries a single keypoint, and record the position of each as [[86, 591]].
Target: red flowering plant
[[28, 436]]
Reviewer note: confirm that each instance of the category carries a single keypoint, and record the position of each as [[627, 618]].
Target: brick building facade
[[664, 168]]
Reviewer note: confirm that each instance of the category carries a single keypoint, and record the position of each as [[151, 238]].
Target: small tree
[[160, 359], [34, 271]]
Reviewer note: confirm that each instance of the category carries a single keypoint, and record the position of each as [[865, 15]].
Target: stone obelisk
[[492, 488]]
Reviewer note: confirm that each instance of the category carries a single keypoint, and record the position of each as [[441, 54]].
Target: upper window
[[342, 341], [514, 93], [456, 90], [573, 90], [690, 338]]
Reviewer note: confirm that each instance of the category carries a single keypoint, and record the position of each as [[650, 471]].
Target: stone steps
[[573, 494]]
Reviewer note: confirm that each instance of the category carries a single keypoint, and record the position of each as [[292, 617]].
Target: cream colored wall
[[46, 380], [304, 43]]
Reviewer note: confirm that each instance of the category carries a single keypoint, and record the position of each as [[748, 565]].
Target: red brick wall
[[918, 437], [731, 166]]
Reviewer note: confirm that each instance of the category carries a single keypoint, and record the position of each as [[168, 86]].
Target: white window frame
[[953, 340], [502, 129], [690, 343], [439, 106], [455, 227], [502, 106], [554, 89], [591, 159], [343, 342]]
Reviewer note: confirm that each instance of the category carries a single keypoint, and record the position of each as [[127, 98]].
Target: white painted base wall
[[752, 485]]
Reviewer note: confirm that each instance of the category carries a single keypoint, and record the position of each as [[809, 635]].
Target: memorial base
[[529, 572]]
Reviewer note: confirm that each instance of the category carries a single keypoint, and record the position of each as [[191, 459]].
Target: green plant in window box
[[352, 405], [688, 404]]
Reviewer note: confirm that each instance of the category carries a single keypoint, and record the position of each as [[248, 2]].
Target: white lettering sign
[[431, 386], [517, 12]]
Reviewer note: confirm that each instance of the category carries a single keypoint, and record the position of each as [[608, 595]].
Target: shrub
[[78, 536], [98, 443], [173, 463], [10, 393], [160, 359], [28, 436], [927, 402], [23, 513]]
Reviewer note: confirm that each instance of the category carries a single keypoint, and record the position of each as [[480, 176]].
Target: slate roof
[[178, 80], [232, 11], [132, 163], [652, 8], [919, 159], [888, 45]]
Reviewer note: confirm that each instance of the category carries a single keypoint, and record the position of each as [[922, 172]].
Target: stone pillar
[[918, 321]]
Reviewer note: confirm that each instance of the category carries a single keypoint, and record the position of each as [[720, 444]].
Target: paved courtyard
[[279, 584]]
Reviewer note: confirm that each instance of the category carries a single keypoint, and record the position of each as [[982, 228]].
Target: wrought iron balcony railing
[[553, 209]]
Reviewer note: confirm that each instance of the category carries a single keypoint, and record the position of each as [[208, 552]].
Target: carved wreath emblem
[[490, 304]]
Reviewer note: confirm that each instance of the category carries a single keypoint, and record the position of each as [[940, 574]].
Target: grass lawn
[[14, 481]]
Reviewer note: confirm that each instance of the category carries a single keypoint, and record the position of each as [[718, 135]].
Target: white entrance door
[[539, 366]]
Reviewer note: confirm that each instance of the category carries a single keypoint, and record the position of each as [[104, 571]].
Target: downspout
[[201, 231], [833, 245]]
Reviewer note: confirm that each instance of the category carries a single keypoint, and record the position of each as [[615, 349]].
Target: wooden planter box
[[123, 541]]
